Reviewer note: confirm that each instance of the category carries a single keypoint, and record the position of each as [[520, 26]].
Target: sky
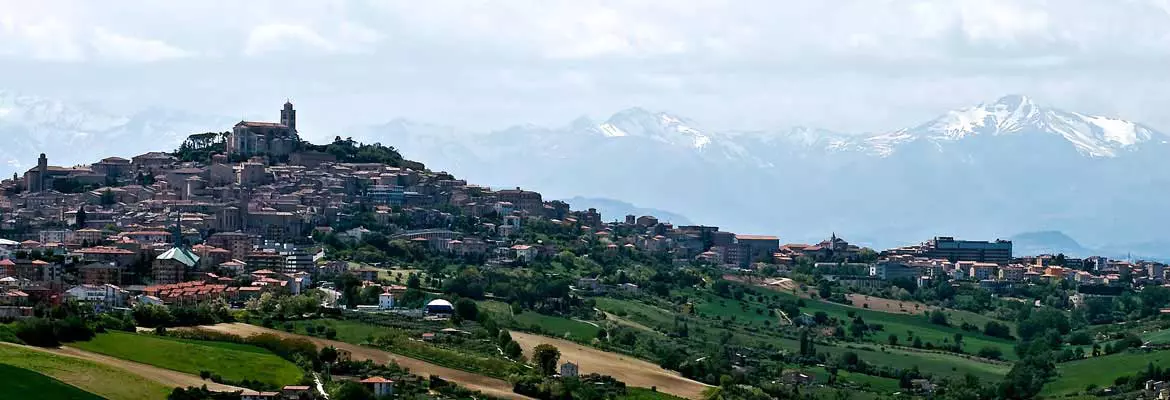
[[847, 65]]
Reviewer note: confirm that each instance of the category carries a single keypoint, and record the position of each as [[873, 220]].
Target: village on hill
[[346, 271]]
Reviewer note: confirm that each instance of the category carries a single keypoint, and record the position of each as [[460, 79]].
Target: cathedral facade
[[277, 139]]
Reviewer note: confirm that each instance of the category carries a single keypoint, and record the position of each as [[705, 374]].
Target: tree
[[893, 339], [328, 354], [80, 219], [513, 350], [466, 309], [546, 357], [352, 391]]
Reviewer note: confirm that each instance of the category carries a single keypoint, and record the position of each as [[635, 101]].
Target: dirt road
[[161, 375], [490, 386], [632, 371]]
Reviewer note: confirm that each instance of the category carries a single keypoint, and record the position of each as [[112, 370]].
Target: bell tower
[[288, 117]]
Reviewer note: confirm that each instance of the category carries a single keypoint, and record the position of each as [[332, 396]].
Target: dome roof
[[439, 303]]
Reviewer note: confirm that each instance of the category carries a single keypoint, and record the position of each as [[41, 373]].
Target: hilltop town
[[255, 225]]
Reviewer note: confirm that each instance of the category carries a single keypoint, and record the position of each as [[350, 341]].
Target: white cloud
[[48, 39], [348, 37], [119, 47]]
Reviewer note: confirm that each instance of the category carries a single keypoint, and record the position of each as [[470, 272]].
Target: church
[[249, 138]]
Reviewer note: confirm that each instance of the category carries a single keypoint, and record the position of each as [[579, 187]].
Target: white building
[[381, 387], [386, 301], [105, 296]]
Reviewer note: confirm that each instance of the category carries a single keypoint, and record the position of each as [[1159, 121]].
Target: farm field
[[636, 393], [100, 379], [403, 342], [557, 326], [235, 362], [20, 383], [632, 371], [1073, 377], [1157, 337], [903, 324], [488, 385], [935, 363]]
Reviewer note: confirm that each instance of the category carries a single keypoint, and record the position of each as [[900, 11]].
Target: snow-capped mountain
[[71, 133], [1093, 136], [996, 168]]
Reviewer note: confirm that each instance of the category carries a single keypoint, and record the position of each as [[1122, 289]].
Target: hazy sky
[[847, 65]]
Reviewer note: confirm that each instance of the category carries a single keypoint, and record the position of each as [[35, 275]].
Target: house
[[524, 252], [254, 395], [379, 386], [296, 392], [797, 378], [101, 274], [385, 301], [569, 370]]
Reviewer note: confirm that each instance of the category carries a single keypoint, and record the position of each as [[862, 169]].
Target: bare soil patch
[[632, 371], [888, 305]]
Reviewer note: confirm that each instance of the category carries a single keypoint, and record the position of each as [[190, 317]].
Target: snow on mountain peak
[[1094, 136], [662, 127]]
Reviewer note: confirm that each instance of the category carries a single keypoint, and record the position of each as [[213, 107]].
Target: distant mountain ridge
[[985, 171], [73, 133], [616, 210]]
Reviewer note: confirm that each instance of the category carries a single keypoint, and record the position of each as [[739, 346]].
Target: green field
[[103, 381], [634, 393], [901, 325], [1157, 337], [20, 383], [404, 342], [234, 362], [558, 326], [934, 363], [1072, 377]]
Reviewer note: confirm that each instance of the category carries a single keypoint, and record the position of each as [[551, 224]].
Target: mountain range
[[612, 209], [72, 133], [986, 171]]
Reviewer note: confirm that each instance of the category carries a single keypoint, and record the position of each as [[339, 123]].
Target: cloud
[[114, 46], [348, 37], [48, 39]]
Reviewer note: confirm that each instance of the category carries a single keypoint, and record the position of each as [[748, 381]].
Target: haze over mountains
[[990, 170]]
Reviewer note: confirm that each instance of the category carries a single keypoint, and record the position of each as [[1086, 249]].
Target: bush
[[996, 329], [989, 352]]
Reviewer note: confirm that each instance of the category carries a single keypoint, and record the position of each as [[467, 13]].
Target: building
[[758, 247], [265, 138], [381, 387], [983, 271], [386, 301], [172, 266], [239, 243], [949, 248], [101, 274], [524, 200], [569, 370], [100, 296], [894, 270]]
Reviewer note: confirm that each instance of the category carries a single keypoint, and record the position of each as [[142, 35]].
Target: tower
[[288, 117], [42, 173]]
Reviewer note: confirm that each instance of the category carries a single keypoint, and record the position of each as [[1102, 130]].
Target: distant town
[[243, 220]]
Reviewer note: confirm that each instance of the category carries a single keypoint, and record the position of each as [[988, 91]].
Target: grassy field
[[234, 362], [558, 326], [1157, 337], [901, 325], [1072, 377], [634, 393], [20, 383], [400, 341], [103, 381], [934, 363]]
